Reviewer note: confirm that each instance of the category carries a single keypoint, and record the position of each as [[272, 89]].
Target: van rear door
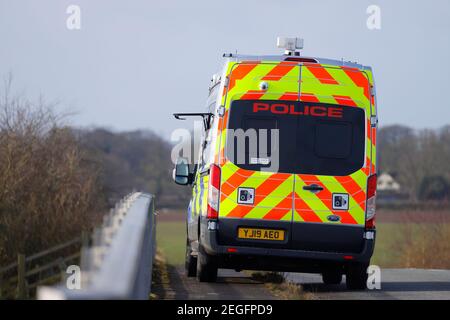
[[256, 205], [329, 185], [334, 161]]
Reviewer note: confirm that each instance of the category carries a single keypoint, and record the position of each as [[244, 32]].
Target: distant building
[[389, 190], [386, 182]]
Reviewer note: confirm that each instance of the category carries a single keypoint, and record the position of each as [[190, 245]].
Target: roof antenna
[[292, 46]]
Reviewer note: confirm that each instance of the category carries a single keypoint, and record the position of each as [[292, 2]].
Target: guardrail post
[[21, 283]]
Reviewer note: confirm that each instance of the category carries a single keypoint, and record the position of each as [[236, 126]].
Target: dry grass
[[424, 246], [160, 277], [414, 239], [276, 283]]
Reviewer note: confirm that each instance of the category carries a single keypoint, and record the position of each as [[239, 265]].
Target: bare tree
[[48, 190]]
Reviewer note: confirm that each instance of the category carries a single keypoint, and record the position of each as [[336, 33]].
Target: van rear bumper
[[262, 258]]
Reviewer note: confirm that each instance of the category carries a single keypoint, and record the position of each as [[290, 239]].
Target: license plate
[[261, 234]]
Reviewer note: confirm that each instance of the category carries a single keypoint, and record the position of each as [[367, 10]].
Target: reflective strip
[[261, 193], [344, 100], [355, 209], [279, 71], [325, 92], [326, 197], [242, 70], [304, 211], [360, 177], [265, 203], [280, 210], [319, 83], [313, 201], [320, 73], [235, 181], [200, 198], [308, 97], [253, 95], [354, 190], [359, 79], [289, 96], [221, 134]]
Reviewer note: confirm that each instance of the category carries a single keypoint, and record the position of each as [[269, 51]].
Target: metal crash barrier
[[118, 264]]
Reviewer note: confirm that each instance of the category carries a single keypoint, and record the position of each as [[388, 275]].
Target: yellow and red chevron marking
[[354, 190], [261, 192], [308, 97], [238, 178], [281, 209], [345, 100], [292, 96], [279, 71], [328, 81], [326, 197], [304, 211], [273, 198], [350, 87], [253, 95], [359, 79], [240, 72], [250, 73], [219, 152], [320, 73]]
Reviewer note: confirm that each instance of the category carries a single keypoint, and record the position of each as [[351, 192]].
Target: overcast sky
[[133, 63]]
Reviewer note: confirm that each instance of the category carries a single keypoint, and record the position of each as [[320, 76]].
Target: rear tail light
[[213, 192], [370, 204]]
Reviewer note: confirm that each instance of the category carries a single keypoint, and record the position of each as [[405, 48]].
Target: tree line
[[418, 159]]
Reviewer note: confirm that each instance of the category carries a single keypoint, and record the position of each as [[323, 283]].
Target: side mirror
[[181, 173]]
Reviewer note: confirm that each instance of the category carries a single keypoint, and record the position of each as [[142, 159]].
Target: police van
[[286, 174]]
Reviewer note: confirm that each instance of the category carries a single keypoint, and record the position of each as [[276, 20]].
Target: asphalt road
[[230, 285], [395, 284]]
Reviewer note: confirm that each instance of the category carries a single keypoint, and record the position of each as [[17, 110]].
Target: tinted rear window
[[313, 138]]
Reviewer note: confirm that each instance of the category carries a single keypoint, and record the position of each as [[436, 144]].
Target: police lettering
[[301, 110]]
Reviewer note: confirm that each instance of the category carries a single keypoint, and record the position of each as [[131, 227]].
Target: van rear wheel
[[356, 277], [190, 263], [206, 266], [332, 277]]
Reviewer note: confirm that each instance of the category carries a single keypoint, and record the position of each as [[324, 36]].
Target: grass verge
[[171, 241], [412, 245], [160, 277], [279, 287]]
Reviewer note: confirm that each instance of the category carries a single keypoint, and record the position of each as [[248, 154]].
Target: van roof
[[241, 57]]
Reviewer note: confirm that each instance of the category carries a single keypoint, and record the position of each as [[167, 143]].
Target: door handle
[[313, 188]]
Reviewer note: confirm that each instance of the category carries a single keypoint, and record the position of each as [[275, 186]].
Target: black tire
[[332, 277], [356, 277], [206, 266], [190, 263]]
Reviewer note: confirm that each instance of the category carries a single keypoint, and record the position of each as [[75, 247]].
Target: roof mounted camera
[[292, 46]]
